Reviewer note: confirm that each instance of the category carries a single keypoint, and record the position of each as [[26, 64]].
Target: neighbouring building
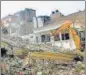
[[37, 30], [20, 23], [26, 15], [9, 23], [43, 35]]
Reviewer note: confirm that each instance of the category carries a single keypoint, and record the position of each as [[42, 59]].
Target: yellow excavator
[[69, 27], [66, 26]]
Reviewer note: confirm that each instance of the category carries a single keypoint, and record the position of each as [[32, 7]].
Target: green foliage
[[22, 51], [2, 44], [80, 53], [25, 51], [79, 67]]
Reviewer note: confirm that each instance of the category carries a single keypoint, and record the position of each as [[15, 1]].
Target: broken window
[[4, 31], [57, 38], [47, 38], [43, 38], [65, 36], [3, 52]]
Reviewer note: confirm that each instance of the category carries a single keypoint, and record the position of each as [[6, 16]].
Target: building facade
[[20, 23], [37, 30], [43, 32]]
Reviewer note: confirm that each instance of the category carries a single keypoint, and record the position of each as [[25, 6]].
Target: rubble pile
[[25, 43], [14, 66]]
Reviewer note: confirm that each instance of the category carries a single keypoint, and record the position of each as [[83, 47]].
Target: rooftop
[[78, 16]]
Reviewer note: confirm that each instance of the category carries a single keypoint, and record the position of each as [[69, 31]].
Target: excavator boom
[[64, 26], [76, 38]]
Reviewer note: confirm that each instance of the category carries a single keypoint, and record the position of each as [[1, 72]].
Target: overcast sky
[[42, 7]]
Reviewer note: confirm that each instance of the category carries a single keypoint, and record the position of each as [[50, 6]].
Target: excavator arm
[[63, 27], [76, 38]]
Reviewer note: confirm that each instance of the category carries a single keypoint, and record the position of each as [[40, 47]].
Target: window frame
[[64, 37], [55, 38]]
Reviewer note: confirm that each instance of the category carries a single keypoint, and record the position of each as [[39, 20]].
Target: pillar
[[61, 39], [52, 38]]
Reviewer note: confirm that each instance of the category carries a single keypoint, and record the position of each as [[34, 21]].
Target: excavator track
[[65, 58], [46, 55]]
